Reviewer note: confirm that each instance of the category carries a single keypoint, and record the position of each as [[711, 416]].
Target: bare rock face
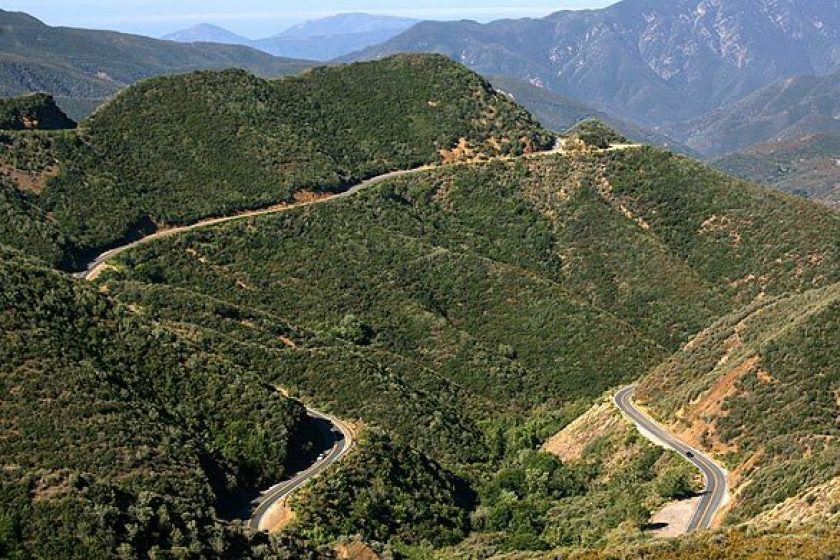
[[657, 61]]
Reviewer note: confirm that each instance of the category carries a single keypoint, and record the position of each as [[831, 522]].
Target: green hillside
[[736, 545], [806, 166], [454, 267], [593, 132], [760, 388], [505, 293], [121, 435], [455, 317], [84, 67], [229, 141]]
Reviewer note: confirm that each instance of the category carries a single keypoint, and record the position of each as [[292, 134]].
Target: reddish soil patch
[[356, 550], [569, 443], [461, 152], [307, 197], [277, 518], [288, 342], [28, 181], [702, 432]]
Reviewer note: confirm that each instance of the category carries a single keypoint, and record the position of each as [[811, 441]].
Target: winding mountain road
[[715, 494], [282, 490], [95, 267], [279, 492]]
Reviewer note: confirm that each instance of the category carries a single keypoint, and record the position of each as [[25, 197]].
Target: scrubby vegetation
[[120, 436], [32, 112], [459, 315], [27, 163], [385, 491], [594, 132], [175, 149], [474, 320], [733, 545], [760, 387], [21, 219], [352, 381], [449, 280], [603, 493]]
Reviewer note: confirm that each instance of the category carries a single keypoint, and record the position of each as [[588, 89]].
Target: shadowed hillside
[[121, 435], [32, 112]]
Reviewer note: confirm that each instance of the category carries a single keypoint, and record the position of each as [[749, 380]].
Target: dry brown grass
[[600, 420]]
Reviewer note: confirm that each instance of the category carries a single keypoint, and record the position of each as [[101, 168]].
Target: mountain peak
[[347, 23], [206, 33]]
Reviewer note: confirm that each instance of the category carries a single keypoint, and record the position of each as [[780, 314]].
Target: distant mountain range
[[783, 110], [808, 166], [81, 67], [319, 39], [654, 61], [701, 77], [206, 33], [560, 113]]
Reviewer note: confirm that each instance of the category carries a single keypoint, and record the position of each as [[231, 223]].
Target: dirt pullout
[[305, 196], [277, 518], [600, 420], [673, 518]]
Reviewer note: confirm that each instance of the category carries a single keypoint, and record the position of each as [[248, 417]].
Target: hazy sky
[[259, 18]]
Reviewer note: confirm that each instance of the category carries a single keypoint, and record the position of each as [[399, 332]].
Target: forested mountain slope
[[120, 435], [648, 241], [504, 293], [176, 149], [807, 166], [83, 67], [760, 388], [455, 316]]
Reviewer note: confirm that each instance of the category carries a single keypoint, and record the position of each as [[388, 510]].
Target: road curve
[[279, 492], [715, 493], [283, 489], [95, 266]]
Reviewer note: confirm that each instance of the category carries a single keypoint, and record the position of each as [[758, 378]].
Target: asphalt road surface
[[282, 490], [714, 495], [94, 267], [279, 492]]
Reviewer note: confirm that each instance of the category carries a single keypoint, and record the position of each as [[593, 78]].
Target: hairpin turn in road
[[714, 495]]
